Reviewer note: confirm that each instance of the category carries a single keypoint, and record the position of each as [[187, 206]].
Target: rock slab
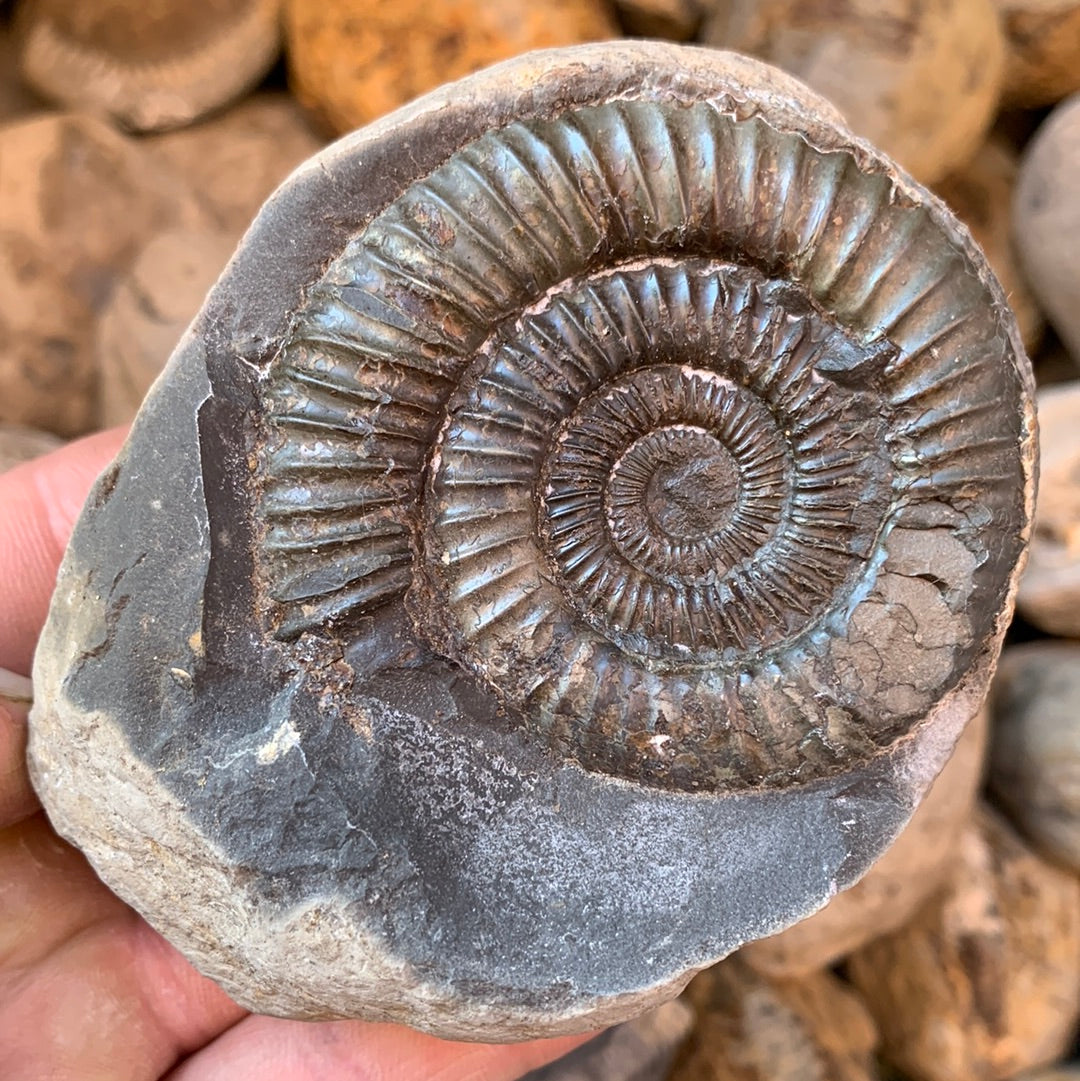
[[361, 747]]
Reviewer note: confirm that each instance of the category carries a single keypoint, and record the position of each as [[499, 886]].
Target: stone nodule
[[564, 548]]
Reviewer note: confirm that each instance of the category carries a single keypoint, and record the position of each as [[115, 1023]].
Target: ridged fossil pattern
[[643, 413]]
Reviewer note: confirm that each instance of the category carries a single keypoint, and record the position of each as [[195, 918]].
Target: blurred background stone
[[1035, 758], [150, 64], [16, 98], [148, 312], [233, 161], [921, 81], [638, 1050], [1049, 594], [752, 1028], [351, 61], [897, 884], [980, 195], [984, 982], [76, 202], [1046, 212], [675, 20], [1043, 50], [19, 444]]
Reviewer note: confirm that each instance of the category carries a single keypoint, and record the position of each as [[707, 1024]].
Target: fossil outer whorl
[[632, 408], [590, 494]]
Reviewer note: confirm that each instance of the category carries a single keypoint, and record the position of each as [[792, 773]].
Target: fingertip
[[39, 502]]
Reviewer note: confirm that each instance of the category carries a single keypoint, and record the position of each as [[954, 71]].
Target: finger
[[360, 1051], [49, 893], [87, 989], [39, 502], [17, 798], [101, 1007]]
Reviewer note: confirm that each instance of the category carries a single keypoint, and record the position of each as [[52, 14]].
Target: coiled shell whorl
[[683, 436]]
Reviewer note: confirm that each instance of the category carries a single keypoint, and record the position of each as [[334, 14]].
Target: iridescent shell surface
[[681, 436]]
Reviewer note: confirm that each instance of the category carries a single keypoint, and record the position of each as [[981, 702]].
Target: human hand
[[88, 990]]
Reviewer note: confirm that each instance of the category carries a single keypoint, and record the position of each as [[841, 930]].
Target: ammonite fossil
[[565, 547]]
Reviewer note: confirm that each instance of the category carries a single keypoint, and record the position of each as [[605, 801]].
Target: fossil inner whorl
[[644, 415], [694, 488]]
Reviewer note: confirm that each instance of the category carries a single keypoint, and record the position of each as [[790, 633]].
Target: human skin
[[88, 989]]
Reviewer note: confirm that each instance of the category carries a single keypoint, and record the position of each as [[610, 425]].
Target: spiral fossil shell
[[641, 412]]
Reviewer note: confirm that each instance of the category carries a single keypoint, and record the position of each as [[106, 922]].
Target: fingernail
[[14, 687]]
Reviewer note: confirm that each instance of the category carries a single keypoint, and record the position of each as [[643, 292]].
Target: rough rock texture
[[76, 201], [148, 65], [637, 1050], [981, 196], [1049, 594], [19, 444], [985, 980], [149, 311], [351, 61], [243, 712], [1046, 220], [921, 81], [235, 160], [752, 1028], [1043, 50], [1035, 763], [891, 891]]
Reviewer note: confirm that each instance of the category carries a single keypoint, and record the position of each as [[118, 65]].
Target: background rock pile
[[134, 150]]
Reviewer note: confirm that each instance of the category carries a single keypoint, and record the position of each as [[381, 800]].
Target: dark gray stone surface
[[392, 845]]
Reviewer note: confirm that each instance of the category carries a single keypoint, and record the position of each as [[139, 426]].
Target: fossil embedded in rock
[[592, 493]]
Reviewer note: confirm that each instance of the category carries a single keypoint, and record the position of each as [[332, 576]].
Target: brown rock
[[235, 160], [148, 65], [897, 884], [985, 980], [354, 60], [76, 201], [1053, 365], [981, 196], [16, 98], [1043, 50], [676, 20], [19, 444], [920, 81], [1046, 220], [148, 312], [1035, 760], [751, 1028], [1049, 594]]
